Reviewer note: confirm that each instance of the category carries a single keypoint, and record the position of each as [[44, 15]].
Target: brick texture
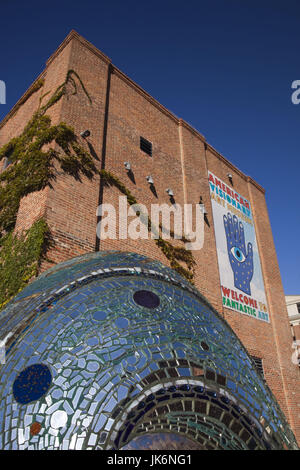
[[120, 113]]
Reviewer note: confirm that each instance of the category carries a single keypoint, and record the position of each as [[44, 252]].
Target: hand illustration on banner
[[241, 262]]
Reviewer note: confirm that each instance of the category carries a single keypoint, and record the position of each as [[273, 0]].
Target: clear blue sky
[[225, 66]]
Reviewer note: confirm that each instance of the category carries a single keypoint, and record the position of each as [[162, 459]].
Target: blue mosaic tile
[[100, 358]]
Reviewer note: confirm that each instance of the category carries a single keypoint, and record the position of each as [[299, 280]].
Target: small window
[[258, 364], [146, 146], [298, 307], [6, 163]]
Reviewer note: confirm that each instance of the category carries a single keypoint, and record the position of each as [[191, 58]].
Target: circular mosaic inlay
[[59, 419], [146, 298], [32, 383], [35, 428], [114, 351]]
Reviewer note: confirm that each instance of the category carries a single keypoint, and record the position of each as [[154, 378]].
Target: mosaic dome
[[112, 350]]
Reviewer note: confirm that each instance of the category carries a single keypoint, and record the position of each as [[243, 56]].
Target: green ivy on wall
[[32, 168], [32, 161], [37, 85], [172, 253], [20, 257]]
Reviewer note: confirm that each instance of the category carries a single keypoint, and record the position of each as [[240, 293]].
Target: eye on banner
[[242, 284]]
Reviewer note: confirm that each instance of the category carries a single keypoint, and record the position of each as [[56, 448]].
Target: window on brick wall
[[258, 365], [6, 163], [146, 146]]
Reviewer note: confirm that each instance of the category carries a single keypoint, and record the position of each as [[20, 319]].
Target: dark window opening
[[298, 307], [7, 159], [6, 163], [146, 146], [258, 365]]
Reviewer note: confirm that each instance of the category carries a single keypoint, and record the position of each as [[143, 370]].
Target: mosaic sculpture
[[112, 350]]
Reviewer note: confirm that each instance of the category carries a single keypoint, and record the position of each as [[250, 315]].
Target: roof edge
[[181, 122], [74, 35]]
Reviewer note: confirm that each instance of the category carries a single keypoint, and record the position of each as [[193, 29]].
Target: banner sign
[[242, 285]]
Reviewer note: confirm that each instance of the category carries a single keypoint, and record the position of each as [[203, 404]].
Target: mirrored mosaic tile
[[98, 357]]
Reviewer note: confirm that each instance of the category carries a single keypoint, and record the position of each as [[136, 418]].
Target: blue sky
[[224, 66]]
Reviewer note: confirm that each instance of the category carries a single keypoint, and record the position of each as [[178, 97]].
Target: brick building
[[293, 308], [127, 125]]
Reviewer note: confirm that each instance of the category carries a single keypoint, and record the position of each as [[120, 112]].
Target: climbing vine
[[32, 161], [33, 166], [37, 85], [20, 258], [172, 253]]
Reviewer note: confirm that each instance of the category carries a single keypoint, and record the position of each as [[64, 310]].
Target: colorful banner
[[242, 285]]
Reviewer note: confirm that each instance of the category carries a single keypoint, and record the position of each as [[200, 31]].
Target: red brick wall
[[296, 331], [289, 372], [180, 161], [71, 208], [132, 115]]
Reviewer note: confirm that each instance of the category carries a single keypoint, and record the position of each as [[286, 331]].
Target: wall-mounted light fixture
[[229, 177], [127, 166], [170, 192], [202, 206], [204, 211], [150, 179], [85, 134]]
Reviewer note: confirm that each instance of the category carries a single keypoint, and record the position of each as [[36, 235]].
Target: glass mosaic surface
[[112, 350]]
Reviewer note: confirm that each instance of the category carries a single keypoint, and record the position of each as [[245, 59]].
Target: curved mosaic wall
[[112, 350]]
